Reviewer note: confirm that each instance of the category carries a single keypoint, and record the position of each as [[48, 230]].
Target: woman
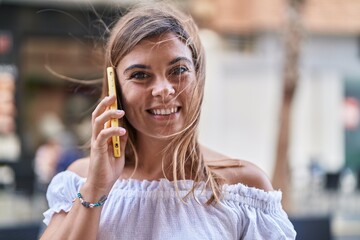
[[164, 185]]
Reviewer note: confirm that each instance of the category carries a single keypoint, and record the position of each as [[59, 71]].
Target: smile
[[164, 111]]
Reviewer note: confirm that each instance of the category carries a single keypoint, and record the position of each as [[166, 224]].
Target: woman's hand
[[104, 168]]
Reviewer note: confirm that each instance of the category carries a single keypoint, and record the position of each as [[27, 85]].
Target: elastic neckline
[[234, 192]]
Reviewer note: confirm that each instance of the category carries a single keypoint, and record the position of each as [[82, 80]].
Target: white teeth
[[167, 111]]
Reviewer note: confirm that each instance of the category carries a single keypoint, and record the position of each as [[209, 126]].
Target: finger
[[103, 121], [105, 136], [102, 106], [108, 124]]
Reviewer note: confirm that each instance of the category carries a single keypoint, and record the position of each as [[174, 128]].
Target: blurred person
[[47, 154], [57, 152], [67, 157], [165, 185], [46, 159]]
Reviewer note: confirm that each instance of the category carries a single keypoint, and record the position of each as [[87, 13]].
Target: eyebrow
[[142, 66], [180, 59]]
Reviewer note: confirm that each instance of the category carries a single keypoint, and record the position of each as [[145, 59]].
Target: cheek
[[133, 100], [129, 95], [130, 112], [129, 103], [191, 96], [187, 89]]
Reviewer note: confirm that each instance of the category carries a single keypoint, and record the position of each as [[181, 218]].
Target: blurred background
[[282, 91]]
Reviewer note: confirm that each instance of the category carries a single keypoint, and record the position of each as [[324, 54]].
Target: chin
[[166, 134]]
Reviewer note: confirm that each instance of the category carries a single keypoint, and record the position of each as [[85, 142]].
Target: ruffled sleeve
[[61, 191], [261, 214]]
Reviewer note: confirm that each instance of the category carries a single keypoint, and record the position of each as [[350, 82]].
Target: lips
[[164, 111]]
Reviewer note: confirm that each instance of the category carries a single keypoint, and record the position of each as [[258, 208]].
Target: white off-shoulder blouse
[[144, 210]]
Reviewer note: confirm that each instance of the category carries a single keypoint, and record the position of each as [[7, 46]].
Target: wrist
[[92, 192], [90, 204]]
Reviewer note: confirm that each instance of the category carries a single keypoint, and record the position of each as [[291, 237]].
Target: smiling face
[[157, 79]]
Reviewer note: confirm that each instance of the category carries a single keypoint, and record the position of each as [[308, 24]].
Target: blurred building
[[244, 43], [41, 43], [250, 36], [244, 17]]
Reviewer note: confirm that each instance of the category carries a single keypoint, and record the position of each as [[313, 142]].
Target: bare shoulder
[[251, 175], [234, 171], [80, 167]]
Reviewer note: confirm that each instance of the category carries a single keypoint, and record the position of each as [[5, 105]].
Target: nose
[[164, 89]]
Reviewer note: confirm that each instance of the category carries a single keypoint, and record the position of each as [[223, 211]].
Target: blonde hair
[[147, 21]]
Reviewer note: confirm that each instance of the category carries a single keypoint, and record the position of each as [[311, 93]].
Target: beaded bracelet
[[91, 205]]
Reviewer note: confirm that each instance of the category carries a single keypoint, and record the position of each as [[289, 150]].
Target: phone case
[[113, 122]]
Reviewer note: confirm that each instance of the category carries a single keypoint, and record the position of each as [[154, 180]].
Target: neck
[[150, 155]]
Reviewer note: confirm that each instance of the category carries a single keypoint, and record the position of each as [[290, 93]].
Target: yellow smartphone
[[113, 122]]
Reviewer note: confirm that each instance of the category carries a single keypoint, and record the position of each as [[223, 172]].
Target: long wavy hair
[[147, 21]]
